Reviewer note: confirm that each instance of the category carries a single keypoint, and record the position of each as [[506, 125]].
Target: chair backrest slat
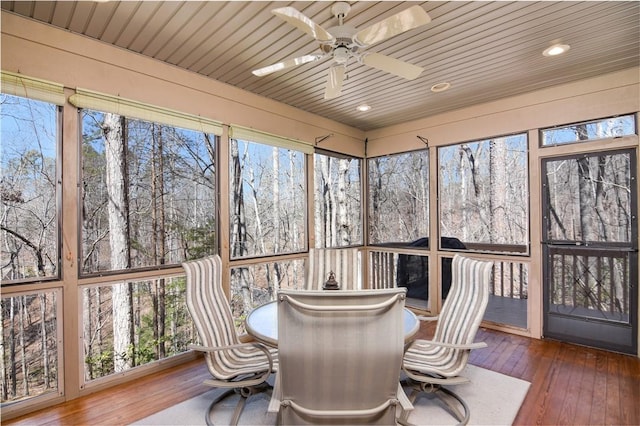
[[343, 262], [209, 307], [466, 302]]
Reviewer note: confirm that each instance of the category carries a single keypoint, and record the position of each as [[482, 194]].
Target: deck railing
[[510, 279]]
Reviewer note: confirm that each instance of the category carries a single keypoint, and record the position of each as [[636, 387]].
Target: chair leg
[[463, 419], [437, 390], [244, 394]]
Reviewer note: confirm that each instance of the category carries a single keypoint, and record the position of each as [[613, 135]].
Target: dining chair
[[432, 364], [340, 355], [382, 269], [242, 368], [343, 262]]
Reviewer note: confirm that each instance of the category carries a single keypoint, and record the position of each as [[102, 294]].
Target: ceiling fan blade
[[406, 20], [392, 65], [302, 22], [289, 63], [334, 81]]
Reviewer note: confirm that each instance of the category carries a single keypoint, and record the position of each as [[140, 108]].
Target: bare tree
[[118, 214], [498, 192]]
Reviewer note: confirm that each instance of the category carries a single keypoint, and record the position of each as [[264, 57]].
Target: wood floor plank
[[629, 385], [599, 396], [573, 369], [585, 393], [569, 385], [612, 413]]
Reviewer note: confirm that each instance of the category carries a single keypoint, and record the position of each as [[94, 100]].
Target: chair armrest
[[246, 338], [257, 345], [403, 399], [423, 318], [475, 345]]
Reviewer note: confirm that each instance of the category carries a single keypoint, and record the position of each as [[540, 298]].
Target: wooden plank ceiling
[[486, 50]]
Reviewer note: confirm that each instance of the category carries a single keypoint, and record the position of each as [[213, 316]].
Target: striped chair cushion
[[458, 321], [334, 361], [212, 316], [345, 264]]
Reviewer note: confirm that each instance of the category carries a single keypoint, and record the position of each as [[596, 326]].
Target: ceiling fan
[[344, 43]]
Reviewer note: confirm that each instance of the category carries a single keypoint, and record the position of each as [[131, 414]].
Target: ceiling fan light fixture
[[440, 87], [363, 107], [341, 55], [556, 49]]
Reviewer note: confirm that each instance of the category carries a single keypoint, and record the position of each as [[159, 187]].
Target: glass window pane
[[267, 198], [590, 130], [255, 285], [483, 193], [129, 324], [589, 198], [399, 198], [508, 294], [338, 216], [30, 337], [148, 193], [28, 157]]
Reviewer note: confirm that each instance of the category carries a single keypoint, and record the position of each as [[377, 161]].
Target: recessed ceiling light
[[440, 87], [556, 49], [364, 108]]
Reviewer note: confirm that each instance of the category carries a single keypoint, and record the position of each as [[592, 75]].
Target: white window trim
[[251, 135], [84, 98], [32, 88]]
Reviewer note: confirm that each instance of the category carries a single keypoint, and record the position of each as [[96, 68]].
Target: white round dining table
[[262, 323]]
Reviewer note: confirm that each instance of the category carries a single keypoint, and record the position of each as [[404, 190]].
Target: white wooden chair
[[343, 262], [432, 364], [241, 367], [340, 356]]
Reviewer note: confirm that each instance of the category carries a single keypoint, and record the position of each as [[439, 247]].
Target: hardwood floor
[[569, 385]]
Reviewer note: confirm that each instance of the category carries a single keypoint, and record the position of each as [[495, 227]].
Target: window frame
[[488, 248], [363, 199], [148, 268], [541, 131], [367, 206], [271, 141], [58, 191]]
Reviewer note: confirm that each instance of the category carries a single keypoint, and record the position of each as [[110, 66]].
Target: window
[[256, 284], [31, 345], [149, 193], [590, 130], [29, 189], [267, 200], [129, 324], [399, 199], [338, 189], [483, 194]]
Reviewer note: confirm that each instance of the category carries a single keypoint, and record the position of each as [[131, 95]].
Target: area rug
[[494, 399]]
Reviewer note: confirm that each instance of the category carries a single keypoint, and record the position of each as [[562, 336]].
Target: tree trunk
[[43, 335], [276, 199], [87, 326], [12, 347], [238, 229], [3, 353], [159, 238], [342, 219], [118, 212], [498, 205], [23, 349]]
